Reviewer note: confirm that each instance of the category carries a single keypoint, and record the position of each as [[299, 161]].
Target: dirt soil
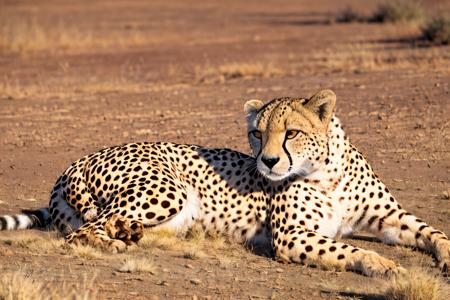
[[77, 76]]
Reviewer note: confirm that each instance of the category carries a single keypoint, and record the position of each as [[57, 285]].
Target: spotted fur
[[323, 188], [305, 186], [156, 184]]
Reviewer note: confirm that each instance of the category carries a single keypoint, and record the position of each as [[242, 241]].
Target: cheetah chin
[[291, 172]]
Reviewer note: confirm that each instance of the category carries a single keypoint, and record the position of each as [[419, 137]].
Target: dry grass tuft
[[19, 35], [140, 265], [235, 70], [86, 252], [217, 240], [30, 35], [17, 286], [437, 30], [361, 58], [396, 11], [163, 239], [399, 11], [349, 15], [49, 243], [417, 284], [193, 253], [195, 234], [33, 243], [193, 244], [66, 87]]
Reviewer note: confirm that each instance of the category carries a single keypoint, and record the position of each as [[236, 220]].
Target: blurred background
[[59, 47]]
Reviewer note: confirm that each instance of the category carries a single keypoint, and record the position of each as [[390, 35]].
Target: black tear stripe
[[260, 147], [287, 153], [259, 153]]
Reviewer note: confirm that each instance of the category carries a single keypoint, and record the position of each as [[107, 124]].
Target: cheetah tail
[[38, 218]]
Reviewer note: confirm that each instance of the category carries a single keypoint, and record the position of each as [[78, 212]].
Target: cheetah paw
[[116, 246], [443, 255], [372, 264], [137, 232], [118, 227]]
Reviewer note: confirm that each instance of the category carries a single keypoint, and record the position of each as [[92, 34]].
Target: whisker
[[251, 167]]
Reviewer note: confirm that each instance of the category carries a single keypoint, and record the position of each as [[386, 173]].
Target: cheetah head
[[288, 136]]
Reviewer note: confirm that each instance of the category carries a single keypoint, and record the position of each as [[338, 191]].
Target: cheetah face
[[288, 136]]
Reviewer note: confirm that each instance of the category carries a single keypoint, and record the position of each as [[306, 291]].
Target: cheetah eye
[[290, 134], [256, 133]]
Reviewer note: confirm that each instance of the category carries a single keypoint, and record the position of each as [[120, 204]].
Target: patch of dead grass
[[14, 88], [193, 253], [349, 15], [217, 241], [416, 284], [18, 286], [190, 244], [193, 244], [65, 87], [28, 35], [361, 58], [33, 243], [220, 74], [437, 30], [163, 239], [395, 11], [399, 11], [137, 265], [85, 251], [49, 243]]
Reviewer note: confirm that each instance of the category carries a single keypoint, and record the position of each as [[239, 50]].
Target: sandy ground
[[78, 76]]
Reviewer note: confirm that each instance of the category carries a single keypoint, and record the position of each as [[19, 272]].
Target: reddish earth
[[111, 72]]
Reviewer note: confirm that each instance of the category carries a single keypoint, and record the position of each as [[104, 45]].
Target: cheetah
[[305, 186]]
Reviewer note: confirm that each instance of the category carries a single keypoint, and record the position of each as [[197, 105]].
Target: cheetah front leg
[[394, 225], [376, 210], [300, 245]]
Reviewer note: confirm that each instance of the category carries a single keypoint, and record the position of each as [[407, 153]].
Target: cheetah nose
[[270, 161]]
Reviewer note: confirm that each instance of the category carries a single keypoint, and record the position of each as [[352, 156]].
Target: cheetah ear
[[322, 104], [251, 107]]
